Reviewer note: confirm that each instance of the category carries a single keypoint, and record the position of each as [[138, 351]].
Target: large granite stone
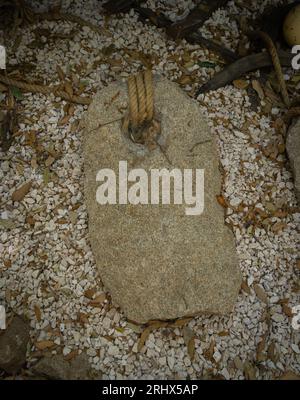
[[156, 261], [13, 345], [293, 150]]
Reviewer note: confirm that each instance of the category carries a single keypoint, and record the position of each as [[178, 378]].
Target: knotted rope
[[276, 63], [139, 122]]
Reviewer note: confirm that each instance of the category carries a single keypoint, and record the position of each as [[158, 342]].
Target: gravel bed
[[47, 270]]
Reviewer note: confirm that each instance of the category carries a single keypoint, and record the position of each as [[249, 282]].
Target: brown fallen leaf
[[188, 334], [71, 355], [20, 193], [7, 263], [249, 371], [245, 287], [280, 214], [62, 221], [60, 73], [50, 160], [222, 201], [64, 120], [44, 344], [144, 336], [279, 226], [208, 353], [68, 88], [260, 353], [240, 83], [191, 348], [82, 318], [289, 376], [30, 220], [181, 322], [287, 310], [257, 87], [223, 333], [89, 293], [146, 332], [272, 355], [98, 300], [238, 363], [184, 80], [37, 312], [260, 293]]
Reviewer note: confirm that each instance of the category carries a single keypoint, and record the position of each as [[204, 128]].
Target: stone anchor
[[157, 260]]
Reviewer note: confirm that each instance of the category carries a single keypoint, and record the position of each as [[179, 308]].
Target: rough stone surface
[[57, 367], [157, 262], [13, 345], [293, 150]]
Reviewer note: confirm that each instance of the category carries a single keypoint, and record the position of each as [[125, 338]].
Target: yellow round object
[[291, 26]]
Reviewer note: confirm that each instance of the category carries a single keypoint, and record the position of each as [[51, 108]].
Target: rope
[[133, 102], [276, 63], [149, 95], [30, 87], [140, 121]]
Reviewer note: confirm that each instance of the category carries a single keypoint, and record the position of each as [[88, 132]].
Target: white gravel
[[48, 266]]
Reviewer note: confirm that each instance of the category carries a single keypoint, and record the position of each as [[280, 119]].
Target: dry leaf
[[68, 88], [240, 84], [259, 90], [71, 355], [37, 312], [60, 73], [157, 324], [260, 356], [279, 226], [287, 310], [33, 163], [249, 371], [7, 263], [19, 194], [260, 293], [223, 333], [44, 344], [98, 300], [191, 348], [90, 293], [184, 80], [208, 353], [272, 353], [238, 363], [289, 376], [245, 287], [82, 318], [62, 221], [146, 332], [50, 160], [181, 322], [221, 201], [30, 220], [144, 336]]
